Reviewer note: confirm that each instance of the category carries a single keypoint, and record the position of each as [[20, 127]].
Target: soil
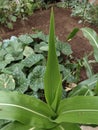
[[64, 24]]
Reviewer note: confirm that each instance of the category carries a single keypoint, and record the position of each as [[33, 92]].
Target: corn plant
[[91, 35], [28, 113], [90, 85]]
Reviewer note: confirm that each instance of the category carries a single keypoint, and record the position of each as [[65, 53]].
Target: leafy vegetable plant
[[11, 10], [23, 63], [28, 113], [85, 9]]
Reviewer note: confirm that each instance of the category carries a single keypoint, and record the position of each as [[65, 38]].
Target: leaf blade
[[91, 35], [72, 34], [52, 75], [15, 126], [83, 109], [32, 112], [67, 126], [88, 67]]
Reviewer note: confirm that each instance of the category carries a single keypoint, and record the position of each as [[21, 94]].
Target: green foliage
[[85, 87], [52, 80], [7, 82], [86, 10], [78, 110], [94, 14], [72, 34], [88, 67], [89, 86], [67, 3], [30, 107], [93, 39], [16, 126], [36, 78], [10, 10], [23, 61], [26, 112]]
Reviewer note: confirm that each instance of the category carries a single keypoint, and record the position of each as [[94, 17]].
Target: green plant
[[94, 14], [91, 35], [81, 9], [11, 10], [67, 3], [25, 67], [86, 10], [27, 112], [88, 87], [6, 16]]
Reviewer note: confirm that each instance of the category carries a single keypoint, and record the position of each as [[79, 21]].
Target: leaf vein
[[92, 38], [80, 110], [27, 109]]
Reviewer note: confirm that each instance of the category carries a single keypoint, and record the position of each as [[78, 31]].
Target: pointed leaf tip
[[52, 76]]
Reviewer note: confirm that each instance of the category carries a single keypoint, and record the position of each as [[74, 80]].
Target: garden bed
[[64, 25]]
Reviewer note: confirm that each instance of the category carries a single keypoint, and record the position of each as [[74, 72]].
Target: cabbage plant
[[28, 113]]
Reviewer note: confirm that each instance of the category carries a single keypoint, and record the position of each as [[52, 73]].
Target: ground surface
[[64, 25], [89, 128]]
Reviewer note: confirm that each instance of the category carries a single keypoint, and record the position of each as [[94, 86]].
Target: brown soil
[[64, 24]]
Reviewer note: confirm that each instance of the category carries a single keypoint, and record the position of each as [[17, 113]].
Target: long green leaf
[[81, 109], [16, 126], [67, 126], [81, 91], [86, 84], [25, 109], [72, 34], [19, 126], [91, 35], [52, 76], [88, 67]]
